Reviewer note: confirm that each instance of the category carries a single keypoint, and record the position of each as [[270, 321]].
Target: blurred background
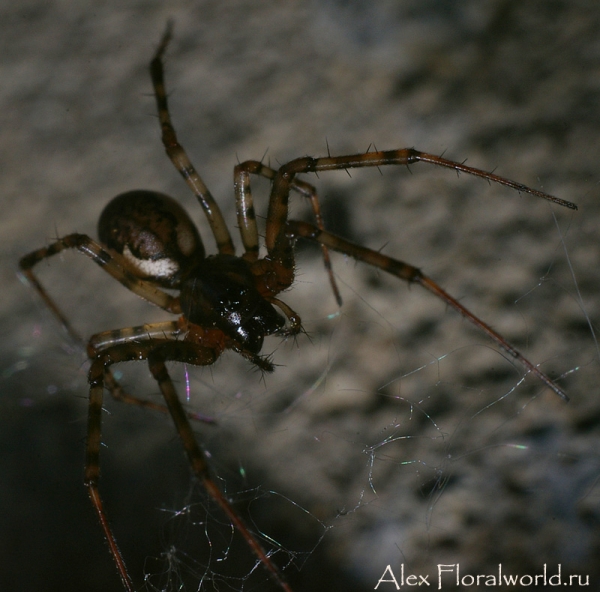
[[392, 432]]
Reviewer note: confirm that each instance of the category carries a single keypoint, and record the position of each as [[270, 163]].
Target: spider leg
[[92, 451], [157, 352], [108, 262], [197, 458], [114, 337], [292, 316], [178, 156], [149, 331], [247, 217], [411, 274], [119, 394], [276, 241]]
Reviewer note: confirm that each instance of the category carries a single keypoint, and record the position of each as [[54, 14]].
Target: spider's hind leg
[[179, 157]]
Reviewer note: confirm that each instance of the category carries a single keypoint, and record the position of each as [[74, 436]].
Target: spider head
[[153, 233], [220, 292]]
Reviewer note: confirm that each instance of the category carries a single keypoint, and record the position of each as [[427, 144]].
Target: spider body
[[222, 307], [149, 244]]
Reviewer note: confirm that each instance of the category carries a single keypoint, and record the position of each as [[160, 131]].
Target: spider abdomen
[[220, 292], [153, 233]]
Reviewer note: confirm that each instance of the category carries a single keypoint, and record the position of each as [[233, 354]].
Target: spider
[[149, 244]]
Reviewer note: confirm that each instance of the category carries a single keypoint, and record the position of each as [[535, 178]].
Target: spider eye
[[155, 235]]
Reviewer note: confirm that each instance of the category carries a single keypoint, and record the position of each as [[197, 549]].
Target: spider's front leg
[[278, 244], [157, 352], [281, 232]]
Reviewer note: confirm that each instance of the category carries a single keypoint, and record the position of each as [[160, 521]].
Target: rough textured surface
[[393, 395]]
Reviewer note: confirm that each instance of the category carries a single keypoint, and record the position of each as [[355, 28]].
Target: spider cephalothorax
[[223, 301], [220, 292]]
